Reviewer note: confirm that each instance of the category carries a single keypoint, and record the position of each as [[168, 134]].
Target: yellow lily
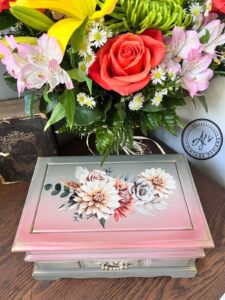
[[76, 11]]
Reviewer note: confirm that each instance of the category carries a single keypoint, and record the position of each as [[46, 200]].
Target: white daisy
[[82, 98], [94, 23], [109, 33], [172, 75], [195, 10], [208, 7], [158, 75], [85, 49], [164, 91], [97, 22], [89, 59], [90, 102], [97, 37], [82, 66], [139, 98], [133, 106], [137, 102], [157, 99]]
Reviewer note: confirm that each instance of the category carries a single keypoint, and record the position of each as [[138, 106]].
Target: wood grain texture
[[14, 108], [15, 275]]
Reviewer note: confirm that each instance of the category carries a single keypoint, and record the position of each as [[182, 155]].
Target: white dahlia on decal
[[81, 174], [97, 198], [163, 183]]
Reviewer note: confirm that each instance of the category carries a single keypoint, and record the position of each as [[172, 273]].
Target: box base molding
[[174, 272]]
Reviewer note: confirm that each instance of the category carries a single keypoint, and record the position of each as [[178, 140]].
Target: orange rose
[[124, 63], [218, 6], [4, 4]]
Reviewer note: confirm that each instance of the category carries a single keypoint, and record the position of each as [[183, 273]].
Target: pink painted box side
[[189, 231]]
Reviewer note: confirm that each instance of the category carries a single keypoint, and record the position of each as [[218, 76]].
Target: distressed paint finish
[[179, 231]]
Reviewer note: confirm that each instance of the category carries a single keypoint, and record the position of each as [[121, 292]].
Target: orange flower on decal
[[126, 200]]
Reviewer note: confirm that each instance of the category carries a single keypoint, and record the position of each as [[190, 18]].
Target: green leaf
[[120, 114], [47, 107], [46, 95], [68, 102], [203, 102], [58, 114], [221, 73], [29, 100], [179, 122], [102, 222], [205, 38], [64, 194], [86, 116], [179, 94], [32, 17], [6, 20], [154, 120], [11, 83], [174, 101], [104, 138], [106, 106], [129, 127], [148, 107], [58, 187], [77, 74], [48, 186], [169, 119], [55, 192], [89, 84], [143, 127], [78, 36], [66, 189], [193, 101]]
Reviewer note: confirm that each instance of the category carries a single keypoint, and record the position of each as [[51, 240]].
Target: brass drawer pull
[[115, 265]]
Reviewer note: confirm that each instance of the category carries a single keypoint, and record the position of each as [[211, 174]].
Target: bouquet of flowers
[[110, 67], [98, 195]]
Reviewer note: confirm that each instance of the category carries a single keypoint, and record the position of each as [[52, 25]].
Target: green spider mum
[[139, 15]]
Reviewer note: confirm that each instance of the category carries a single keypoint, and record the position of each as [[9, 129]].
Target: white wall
[[5, 91], [214, 167]]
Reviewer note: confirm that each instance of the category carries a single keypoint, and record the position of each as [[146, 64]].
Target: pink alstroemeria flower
[[216, 37], [179, 46], [34, 66], [13, 61], [195, 74], [204, 20]]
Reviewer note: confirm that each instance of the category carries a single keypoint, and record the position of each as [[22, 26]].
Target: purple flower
[[142, 191]]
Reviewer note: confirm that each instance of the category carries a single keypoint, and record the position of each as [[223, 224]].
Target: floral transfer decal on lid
[[97, 194]]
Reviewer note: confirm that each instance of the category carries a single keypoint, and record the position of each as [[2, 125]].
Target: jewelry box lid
[[139, 202]]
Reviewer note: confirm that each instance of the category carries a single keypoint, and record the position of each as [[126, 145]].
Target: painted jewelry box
[[133, 216]]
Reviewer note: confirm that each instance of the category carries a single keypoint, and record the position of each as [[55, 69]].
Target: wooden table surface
[[15, 275]]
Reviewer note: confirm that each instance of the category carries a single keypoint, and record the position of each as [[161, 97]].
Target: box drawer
[[116, 264], [113, 264], [54, 265]]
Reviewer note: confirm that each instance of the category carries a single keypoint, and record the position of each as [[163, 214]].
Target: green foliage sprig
[[137, 16]]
